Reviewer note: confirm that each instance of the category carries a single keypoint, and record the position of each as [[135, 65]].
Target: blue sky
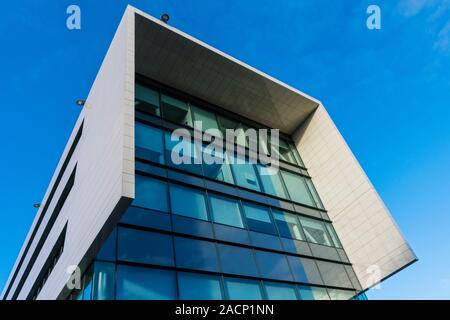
[[387, 90]]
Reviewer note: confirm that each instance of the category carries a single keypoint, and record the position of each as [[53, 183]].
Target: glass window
[[135, 283], [216, 165], [151, 194], [297, 189], [194, 286], [244, 174], [237, 260], [146, 218], [207, 119], [336, 294], [314, 194], [240, 289], [147, 100], [333, 235], [145, 247], [271, 181], [103, 286], [108, 250], [315, 231], [273, 265], [334, 274], [176, 110], [229, 124], [283, 150], [196, 254], [280, 291], [266, 241], [183, 153], [313, 293], [149, 143], [87, 290], [258, 219], [288, 225], [296, 155], [305, 270], [188, 202], [226, 211]]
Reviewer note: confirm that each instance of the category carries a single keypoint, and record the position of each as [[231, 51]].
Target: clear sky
[[387, 90]]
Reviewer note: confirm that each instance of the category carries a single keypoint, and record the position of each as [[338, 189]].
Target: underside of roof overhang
[[180, 61]]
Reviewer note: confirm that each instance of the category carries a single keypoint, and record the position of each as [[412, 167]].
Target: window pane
[[188, 202], [284, 151], [216, 165], [333, 235], [240, 289], [135, 283], [315, 231], [199, 287], [313, 293], [229, 124], [273, 265], [104, 274], [296, 155], [87, 291], [288, 225], [207, 119], [196, 254], [258, 219], [176, 110], [237, 260], [183, 153], [334, 274], [226, 211], [336, 294], [108, 250], [280, 291], [244, 174], [297, 188], [314, 194], [149, 143], [147, 100], [272, 184], [305, 270], [145, 247], [151, 194]]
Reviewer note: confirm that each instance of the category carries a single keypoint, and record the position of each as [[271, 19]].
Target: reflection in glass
[[241, 289], [280, 291], [176, 110], [297, 189], [216, 165], [272, 184], [226, 211], [149, 143], [258, 218], [188, 202], [147, 100], [134, 283], [194, 286], [315, 231], [288, 225], [151, 194]]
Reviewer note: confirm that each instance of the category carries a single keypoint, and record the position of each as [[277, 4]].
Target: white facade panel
[[369, 234]]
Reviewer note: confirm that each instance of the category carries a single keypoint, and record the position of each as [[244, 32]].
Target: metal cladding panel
[[369, 234], [104, 180]]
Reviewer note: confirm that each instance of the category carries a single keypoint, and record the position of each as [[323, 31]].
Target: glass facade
[[216, 230]]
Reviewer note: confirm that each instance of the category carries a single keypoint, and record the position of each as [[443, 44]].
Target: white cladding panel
[[105, 165], [364, 225]]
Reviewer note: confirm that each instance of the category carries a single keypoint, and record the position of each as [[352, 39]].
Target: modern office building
[[140, 226]]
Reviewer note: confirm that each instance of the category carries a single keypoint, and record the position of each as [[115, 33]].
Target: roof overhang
[[187, 64]]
